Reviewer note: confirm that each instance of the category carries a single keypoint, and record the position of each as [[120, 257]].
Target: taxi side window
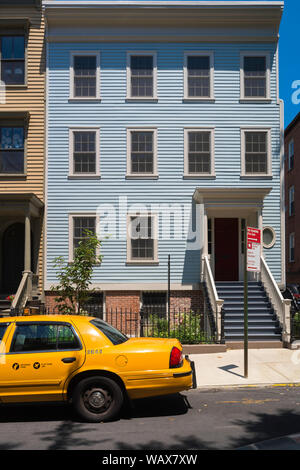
[[66, 338], [43, 337]]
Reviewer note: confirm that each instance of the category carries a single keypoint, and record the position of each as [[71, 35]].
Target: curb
[[255, 385]]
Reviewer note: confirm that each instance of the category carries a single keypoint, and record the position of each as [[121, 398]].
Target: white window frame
[[129, 174], [211, 96], [97, 173], [291, 200], [291, 245], [155, 259], [129, 97], [291, 154], [265, 54], [84, 98], [211, 130], [268, 173], [71, 216]]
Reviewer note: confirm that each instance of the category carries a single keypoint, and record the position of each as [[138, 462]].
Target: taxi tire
[[105, 384]]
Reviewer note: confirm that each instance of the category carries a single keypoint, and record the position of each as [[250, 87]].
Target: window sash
[[142, 152], [85, 77], [292, 201], [198, 79], [141, 78], [291, 155], [80, 224], [13, 62], [255, 80], [142, 241], [199, 152], [256, 153], [292, 247], [12, 149], [84, 152]]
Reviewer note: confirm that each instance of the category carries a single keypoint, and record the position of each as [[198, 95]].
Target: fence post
[[141, 322], [222, 339]]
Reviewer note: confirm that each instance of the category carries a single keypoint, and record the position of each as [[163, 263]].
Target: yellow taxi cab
[[86, 361]]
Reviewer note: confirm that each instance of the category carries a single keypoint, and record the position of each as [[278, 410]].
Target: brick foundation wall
[[130, 300], [186, 300]]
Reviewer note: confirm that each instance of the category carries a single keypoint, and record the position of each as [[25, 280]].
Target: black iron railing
[[188, 326], [295, 327]]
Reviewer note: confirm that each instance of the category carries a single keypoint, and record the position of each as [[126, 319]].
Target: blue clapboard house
[[165, 133]]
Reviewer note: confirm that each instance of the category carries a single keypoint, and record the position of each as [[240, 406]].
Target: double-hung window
[[13, 59], [79, 227], [292, 247], [85, 75], [84, 152], [141, 157], [12, 143], [199, 152], [141, 75], [291, 154], [198, 75], [142, 238], [292, 200], [255, 76], [256, 152]]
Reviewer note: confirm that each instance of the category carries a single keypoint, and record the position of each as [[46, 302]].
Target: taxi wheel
[[97, 399]]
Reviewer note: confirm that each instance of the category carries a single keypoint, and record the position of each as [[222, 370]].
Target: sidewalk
[[265, 367]]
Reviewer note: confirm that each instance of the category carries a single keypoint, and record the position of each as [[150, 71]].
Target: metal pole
[[246, 309], [169, 288]]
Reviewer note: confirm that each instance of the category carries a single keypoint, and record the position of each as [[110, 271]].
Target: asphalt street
[[199, 419]]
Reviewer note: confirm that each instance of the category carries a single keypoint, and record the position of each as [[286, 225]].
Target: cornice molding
[[165, 15]]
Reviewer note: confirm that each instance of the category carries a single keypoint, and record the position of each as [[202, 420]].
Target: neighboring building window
[[11, 149], [142, 238], [85, 75], [142, 152], [291, 155], [79, 225], [84, 152], [292, 247], [141, 75], [199, 152], [154, 303], [256, 153], [198, 72], [13, 59], [292, 200], [255, 71]]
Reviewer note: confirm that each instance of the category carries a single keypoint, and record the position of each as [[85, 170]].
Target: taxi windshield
[[114, 335]]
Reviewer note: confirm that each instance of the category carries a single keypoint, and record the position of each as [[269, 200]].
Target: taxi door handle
[[68, 360]]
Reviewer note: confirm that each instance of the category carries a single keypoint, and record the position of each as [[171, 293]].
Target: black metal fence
[[295, 327], [188, 326]]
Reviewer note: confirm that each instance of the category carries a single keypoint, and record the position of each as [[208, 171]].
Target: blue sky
[[289, 57]]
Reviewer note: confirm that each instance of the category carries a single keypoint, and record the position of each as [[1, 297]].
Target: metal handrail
[[280, 305], [215, 301]]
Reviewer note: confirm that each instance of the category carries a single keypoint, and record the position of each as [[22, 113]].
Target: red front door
[[226, 250]]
